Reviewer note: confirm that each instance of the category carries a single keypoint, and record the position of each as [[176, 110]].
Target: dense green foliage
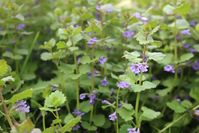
[[99, 66]]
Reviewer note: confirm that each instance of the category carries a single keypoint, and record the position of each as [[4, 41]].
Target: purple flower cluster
[[113, 116], [185, 32], [123, 85], [21, 106], [195, 65], [21, 26], [133, 130], [104, 82], [77, 112], [92, 41], [169, 68], [128, 34], [139, 68], [102, 60]]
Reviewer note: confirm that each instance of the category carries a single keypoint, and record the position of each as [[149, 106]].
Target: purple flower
[[102, 60], [76, 112], [76, 128], [195, 65], [185, 32], [104, 82], [196, 112], [128, 34], [135, 68], [192, 50], [98, 8], [21, 106], [169, 68], [21, 26], [140, 67], [92, 41], [137, 15], [92, 98], [82, 96], [186, 45], [193, 23], [123, 85], [94, 74], [133, 130], [112, 116]]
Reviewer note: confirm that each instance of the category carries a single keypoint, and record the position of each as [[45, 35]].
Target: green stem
[[29, 53], [6, 109], [43, 120], [117, 103], [57, 116], [137, 105], [77, 81], [176, 120]]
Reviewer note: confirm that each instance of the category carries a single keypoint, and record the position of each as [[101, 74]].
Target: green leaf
[[48, 45], [156, 56], [186, 57], [85, 106], [194, 93], [70, 124], [176, 106], [127, 106], [49, 130], [125, 114], [88, 126], [168, 9], [46, 56], [55, 99], [99, 120], [83, 69], [68, 118], [197, 27], [134, 57], [22, 95], [183, 9], [85, 59], [149, 114], [61, 45], [182, 24], [4, 68], [124, 128], [146, 85], [143, 38]]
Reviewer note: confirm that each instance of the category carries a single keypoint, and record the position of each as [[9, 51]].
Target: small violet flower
[[82, 96], [195, 65], [185, 32], [128, 34], [102, 60], [123, 85], [92, 41], [112, 116], [196, 112], [139, 67], [186, 45], [77, 113], [20, 26], [133, 130], [92, 98], [104, 82], [21, 106], [193, 23], [169, 68], [105, 102]]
